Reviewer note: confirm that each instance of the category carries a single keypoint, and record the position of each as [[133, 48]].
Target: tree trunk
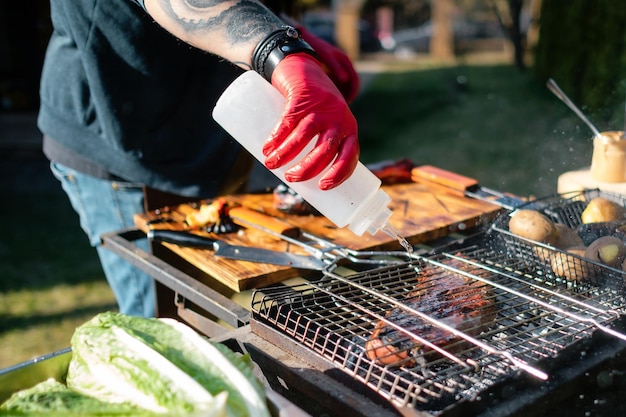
[[509, 15], [515, 7], [442, 41], [532, 35], [347, 14]]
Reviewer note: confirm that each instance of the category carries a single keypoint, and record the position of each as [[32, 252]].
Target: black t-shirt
[[123, 93]]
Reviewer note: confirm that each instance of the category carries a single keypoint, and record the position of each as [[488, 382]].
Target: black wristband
[[275, 47]]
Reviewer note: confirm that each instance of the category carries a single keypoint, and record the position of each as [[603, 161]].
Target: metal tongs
[[331, 254]]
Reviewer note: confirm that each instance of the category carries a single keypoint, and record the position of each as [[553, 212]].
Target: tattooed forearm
[[228, 28], [240, 22]]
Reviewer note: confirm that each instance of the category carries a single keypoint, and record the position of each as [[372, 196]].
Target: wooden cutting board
[[420, 214]]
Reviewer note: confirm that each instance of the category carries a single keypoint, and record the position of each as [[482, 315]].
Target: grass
[[487, 121], [50, 278]]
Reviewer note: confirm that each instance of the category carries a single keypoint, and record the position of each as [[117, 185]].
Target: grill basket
[[558, 266]]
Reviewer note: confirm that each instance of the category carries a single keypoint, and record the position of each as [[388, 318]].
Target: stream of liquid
[[391, 231]]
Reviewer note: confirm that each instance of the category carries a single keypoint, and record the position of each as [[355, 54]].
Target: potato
[[543, 253], [607, 250], [533, 225], [602, 210], [577, 250], [570, 267], [567, 237]]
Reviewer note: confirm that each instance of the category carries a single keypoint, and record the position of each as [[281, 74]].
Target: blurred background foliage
[[583, 48], [580, 44]]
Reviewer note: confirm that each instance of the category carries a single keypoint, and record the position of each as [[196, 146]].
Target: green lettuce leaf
[[220, 369], [162, 364], [52, 398], [110, 363]]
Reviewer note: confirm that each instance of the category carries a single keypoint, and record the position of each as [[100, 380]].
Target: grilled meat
[[463, 303]]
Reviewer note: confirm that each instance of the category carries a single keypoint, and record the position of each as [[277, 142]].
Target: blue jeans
[[107, 206]]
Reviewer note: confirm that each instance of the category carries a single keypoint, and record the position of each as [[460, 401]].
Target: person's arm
[[228, 28], [248, 34]]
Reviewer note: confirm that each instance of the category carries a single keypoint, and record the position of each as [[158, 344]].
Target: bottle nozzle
[[391, 231]]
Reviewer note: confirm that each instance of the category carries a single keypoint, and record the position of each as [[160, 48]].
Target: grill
[[365, 337], [422, 343]]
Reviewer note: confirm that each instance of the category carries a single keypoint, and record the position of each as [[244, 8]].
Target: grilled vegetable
[[570, 267], [205, 214], [602, 210], [607, 250], [223, 226], [567, 237], [533, 225], [214, 216]]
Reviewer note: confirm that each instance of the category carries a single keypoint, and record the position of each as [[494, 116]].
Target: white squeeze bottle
[[250, 108]]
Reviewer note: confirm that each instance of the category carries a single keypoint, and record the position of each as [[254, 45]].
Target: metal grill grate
[[530, 317]]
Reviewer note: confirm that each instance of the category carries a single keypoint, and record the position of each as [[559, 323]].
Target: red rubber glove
[[336, 64], [314, 107]]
